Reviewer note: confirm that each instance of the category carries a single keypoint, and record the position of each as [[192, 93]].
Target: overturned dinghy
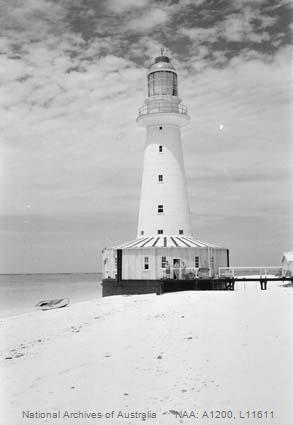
[[51, 304]]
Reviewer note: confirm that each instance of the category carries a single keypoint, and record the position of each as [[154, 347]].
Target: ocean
[[19, 293]]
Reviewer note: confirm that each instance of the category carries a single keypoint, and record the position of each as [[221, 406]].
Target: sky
[[72, 78]]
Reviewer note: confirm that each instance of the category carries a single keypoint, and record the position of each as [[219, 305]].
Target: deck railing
[[257, 272], [186, 273]]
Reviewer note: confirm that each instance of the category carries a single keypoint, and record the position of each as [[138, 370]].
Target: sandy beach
[[148, 358]]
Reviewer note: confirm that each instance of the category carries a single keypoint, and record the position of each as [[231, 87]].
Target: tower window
[[196, 262], [164, 261], [160, 177], [160, 208], [160, 128], [141, 232], [146, 263], [212, 262], [180, 232], [160, 148], [160, 232]]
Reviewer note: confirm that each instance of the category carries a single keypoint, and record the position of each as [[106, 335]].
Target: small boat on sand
[[50, 304]]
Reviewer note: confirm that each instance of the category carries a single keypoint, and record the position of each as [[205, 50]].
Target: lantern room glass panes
[[162, 82]]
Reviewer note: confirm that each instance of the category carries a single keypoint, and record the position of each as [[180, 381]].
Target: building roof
[[165, 242], [288, 255]]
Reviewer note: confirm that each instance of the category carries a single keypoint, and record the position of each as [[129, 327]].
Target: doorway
[[176, 268]]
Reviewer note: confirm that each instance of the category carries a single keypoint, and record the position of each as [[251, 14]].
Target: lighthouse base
[[159, 287]]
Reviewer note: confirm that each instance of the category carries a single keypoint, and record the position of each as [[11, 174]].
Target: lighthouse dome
[[162, 63]]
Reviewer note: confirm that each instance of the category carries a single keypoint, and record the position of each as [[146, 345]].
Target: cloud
[[72, 79], [242, 3], [145, 49], [237, 27], [149, 20], [121, 6], [245, 25], [31, 20], [240, 27], [244, 169], [200, 34]]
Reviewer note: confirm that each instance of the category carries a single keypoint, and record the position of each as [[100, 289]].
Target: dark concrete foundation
[[130, 287], [193, 285], [136, 287]]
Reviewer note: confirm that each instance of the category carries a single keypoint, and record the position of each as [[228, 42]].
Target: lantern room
[[162, 78]]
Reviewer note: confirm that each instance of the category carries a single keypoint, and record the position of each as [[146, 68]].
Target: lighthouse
[[164, 256], [164, 207]]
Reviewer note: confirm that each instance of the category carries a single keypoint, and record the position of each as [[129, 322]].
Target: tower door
[[176, 268]]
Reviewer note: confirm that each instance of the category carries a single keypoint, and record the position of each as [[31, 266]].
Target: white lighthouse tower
[[164, 256], [164, 207]]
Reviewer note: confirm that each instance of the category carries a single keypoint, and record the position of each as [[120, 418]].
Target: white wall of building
[[109, 269], [133, 261]]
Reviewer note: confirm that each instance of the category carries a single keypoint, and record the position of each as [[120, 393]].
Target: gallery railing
[[155, 107]]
